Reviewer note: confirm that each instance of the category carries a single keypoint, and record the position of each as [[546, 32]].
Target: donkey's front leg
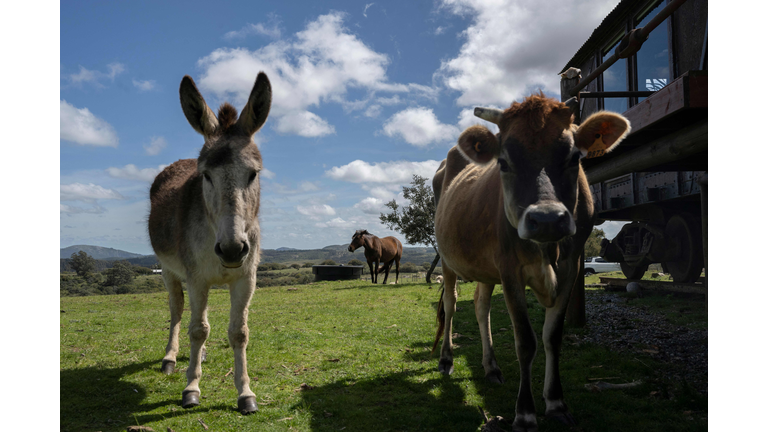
[[176, 305], [240, 294], [198, 334]]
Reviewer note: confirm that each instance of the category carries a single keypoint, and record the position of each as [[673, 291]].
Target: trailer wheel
[[685, 231], [633, 272]]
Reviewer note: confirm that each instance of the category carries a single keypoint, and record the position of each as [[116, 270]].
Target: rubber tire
[[686, 230], [588, 272], [633, 272]]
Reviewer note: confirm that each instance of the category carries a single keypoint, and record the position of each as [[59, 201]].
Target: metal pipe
[[630, 44]]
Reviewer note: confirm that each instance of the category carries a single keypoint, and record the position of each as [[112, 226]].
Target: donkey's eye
[[208, 178], [252, 177], [504, 166]]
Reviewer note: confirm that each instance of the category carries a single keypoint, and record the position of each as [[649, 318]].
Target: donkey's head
[[229, 166], [358, 240], [538, 152]]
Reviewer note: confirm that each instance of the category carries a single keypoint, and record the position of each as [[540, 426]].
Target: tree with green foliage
[[82, 263], [417, 220], [328, 262], [355, 262], [121, 273], [592, 246]]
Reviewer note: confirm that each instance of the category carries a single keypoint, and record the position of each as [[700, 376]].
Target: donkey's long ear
[[479, 144], [195, 109], [256, 110], [601, 133]]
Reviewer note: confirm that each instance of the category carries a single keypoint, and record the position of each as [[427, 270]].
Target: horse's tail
[[440, 318]]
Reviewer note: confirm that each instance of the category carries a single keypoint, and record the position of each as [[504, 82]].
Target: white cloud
[[371, 205], [365, 10], [316, 65], [396, 173], [306, 186], [88, 193], [304, 124], [440, 30], [272, 30], [316, 211], [267, 174], [131, 172], [373, 111], [420, 127], [80, 126], [337, 223], [93, 76], [514, 47], [146, 85], [72, 210], [155, 146]]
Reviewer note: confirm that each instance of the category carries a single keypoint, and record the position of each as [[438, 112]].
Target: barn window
[[652, 61], [615, 78]]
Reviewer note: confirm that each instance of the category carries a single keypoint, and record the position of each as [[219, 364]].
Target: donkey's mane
[[227, 116], [534, 112]]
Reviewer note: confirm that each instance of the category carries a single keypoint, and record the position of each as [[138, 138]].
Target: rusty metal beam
[[675, 146]]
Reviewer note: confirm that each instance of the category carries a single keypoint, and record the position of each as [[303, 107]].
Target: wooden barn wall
[[689, 23], [590, 104]]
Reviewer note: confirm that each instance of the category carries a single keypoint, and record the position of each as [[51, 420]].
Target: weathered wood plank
[[688, 288]]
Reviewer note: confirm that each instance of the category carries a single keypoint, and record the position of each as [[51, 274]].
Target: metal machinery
[[648, 61]]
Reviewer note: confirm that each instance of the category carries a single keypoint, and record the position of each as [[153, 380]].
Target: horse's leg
[[449, 306], [525, 346], [373, 274], [483, 294], [553, 336], [376, 267], [397, 270], [176, 304], [387, 266], [199, 329], [240, 294]]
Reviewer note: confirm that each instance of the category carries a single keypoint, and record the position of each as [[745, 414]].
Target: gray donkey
[[204, 229]]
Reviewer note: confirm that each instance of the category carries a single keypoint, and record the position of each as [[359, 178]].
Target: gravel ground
[[613, 321]]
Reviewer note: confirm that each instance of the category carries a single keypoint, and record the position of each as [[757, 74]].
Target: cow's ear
[[601, 133], [479, 144]]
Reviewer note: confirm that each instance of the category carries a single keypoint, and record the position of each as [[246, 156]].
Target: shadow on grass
[[97, 398]]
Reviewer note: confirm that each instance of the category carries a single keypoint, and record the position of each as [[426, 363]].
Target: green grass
[[363, 352]]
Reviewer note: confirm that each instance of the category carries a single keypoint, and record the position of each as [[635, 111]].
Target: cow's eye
[[504, 166], [252, 177]]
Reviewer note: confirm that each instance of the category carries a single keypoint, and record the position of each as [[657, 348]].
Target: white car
[[594, 265]]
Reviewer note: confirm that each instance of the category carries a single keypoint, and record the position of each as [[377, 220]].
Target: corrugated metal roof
[[605, 30]]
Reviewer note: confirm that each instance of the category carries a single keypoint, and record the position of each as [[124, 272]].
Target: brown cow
[[378, 250], [515, 209]]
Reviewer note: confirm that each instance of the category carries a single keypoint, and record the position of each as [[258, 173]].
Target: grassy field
[[337, 356]]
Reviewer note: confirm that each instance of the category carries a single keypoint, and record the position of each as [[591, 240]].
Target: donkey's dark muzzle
[[232, 254]]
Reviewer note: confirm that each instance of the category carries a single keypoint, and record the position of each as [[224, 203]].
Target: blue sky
[[366, 94]]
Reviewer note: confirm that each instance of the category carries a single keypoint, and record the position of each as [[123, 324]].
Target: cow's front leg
[[552, 334], [199, 329], [483, 294], [240, 294], [525, 346], [449, 307]]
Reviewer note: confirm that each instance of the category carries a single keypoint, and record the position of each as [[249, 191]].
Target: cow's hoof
[[167, 367], [525, 423], [563, 417], [445, 366], [247, 405], [495, 377], [190, 398]]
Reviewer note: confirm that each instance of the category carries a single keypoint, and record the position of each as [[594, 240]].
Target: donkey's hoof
[[563, 417], [167, 367], [445, 366], [190, 398], [247, 405], [495, 377]]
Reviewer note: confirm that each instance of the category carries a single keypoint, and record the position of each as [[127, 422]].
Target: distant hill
[[98, 252], [339, 253]]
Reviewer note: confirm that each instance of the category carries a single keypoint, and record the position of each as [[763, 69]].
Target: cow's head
[[538, 151]]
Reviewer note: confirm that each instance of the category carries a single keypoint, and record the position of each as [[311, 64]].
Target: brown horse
[[385, 250], [204, 229]]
